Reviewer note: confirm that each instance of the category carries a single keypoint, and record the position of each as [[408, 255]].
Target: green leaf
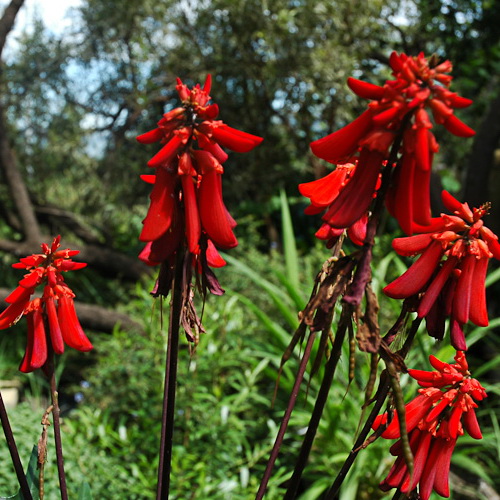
[[471, 466], [492, 277], [272, 327], [280, 299], [31, 477], [289, 246], [85, 493]]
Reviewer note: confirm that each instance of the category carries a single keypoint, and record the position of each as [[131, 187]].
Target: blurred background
[[79, 80]]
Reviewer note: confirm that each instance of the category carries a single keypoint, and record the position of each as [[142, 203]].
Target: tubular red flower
[[54, 327], [448, 393], [341, 145], [417, 276], [213, 212], [159, 216], [354, 200], [45, 269], [72, 331], [236, 140], [365, 90]]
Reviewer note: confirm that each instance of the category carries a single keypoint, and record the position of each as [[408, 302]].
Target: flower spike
[[435, 420], [451, 269], [54, 309], [397, 109]]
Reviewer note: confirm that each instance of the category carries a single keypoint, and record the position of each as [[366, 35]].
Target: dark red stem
[[14, 453], [286, 417], [319, 406], [50, 370], [167, 428]]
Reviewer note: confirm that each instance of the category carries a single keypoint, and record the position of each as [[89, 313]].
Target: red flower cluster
[[322, 194], [434, 420], [397, 110], [54, 309], [455, 286], [186, 200]]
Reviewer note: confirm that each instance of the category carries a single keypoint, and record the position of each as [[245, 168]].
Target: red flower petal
[[458, 101], [471, 425], [236, 140], [365, 90], [422, 197], [458, 127], [357, 232], [403, 199], [159, 216], [415, 410], [72, 332], [420, 455], [212, 147], [192, 217], [323, 191], [54, 328], [411, 245], [462, 297], [213, 211], [442, 467], [457, 337], [431, 294], [354, 200], [429, 472], [454, 422], [36, 348], [19, 294], [478, 312], [12, 313], [341, 145], [150, 137], [162, 248], [437, 410], [166, 153], [214, 258], [385, 117], [416, 277]]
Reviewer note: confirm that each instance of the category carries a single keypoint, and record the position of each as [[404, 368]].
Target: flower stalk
[[56, 411], [14, 453], [319, 406], [168, 415]]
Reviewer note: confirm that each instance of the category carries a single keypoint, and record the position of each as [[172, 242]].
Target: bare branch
[[7, 21]]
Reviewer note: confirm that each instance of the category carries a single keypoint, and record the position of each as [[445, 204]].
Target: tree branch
[[17, 187], [7, 21]]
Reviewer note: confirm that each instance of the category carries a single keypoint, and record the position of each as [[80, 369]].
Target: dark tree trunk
[[478, 188]]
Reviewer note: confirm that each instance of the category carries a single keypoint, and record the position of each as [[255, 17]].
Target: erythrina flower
[[187, 212], [453, 286], [397, 111], [434, 421], [322, 194], [54, 309], [186, 200]]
